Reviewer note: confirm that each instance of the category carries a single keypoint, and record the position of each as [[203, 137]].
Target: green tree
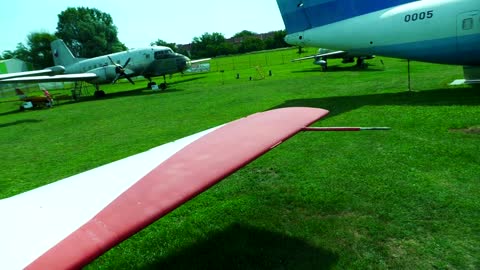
[[277, 41], [88, 32], [21, 52], [244, 34], [209, 45], [40, 52], [8, 54], [184, 51], [227, 48], [37, 51], [251, 44]]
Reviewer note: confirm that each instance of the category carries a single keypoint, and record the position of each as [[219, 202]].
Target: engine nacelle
[[57, 70], [105, 74], [320, 62]]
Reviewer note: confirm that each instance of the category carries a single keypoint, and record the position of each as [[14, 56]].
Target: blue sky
[[140, 22]]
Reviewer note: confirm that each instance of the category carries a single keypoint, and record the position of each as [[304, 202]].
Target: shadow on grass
[[246, 247], [128, 93], [19, 122], [121, 94], [335, 68], [10, 112], [140, 91], [18, 111], [438, 97], [185, 79]]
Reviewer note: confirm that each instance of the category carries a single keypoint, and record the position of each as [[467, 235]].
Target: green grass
[[406, 198]]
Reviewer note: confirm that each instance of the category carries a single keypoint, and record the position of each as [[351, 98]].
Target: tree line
[[89, 32], [215, 44]]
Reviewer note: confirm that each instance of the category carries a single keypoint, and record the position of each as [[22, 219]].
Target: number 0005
[[419, 16]]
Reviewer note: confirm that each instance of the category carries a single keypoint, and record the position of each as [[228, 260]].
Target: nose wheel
[[98, 93], [163, 86], [150, 84]]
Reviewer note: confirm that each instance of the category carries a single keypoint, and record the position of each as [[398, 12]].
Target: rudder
[[62, 56]]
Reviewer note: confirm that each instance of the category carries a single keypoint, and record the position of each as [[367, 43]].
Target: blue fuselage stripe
[[299, 17]]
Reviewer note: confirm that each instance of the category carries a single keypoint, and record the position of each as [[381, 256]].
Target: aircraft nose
[[183, 63], [188, 61]]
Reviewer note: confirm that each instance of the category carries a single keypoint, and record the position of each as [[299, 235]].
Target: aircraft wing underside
[[54, 78], [200, 60], [330, 54], [24, 74]]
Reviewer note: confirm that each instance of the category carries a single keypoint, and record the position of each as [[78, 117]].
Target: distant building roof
[[14, 65]]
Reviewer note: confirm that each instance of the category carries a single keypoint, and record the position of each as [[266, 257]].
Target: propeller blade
[[116, 78], [126, 63], [120, 71], [111, 60], [128, 78]]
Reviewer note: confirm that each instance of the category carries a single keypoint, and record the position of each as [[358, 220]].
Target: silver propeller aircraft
[[147, 62]]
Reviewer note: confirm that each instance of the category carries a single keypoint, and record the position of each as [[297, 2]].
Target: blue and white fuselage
[[438, 31]]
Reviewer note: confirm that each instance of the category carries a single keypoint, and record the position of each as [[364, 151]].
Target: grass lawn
[[405, 198]]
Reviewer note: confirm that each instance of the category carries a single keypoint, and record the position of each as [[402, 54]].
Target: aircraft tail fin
[[62, 56], [301, 15]]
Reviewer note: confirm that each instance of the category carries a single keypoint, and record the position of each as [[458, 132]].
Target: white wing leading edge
[[34, 221], [70, 222]]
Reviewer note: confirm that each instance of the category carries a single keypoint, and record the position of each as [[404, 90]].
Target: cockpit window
[[163, 54]]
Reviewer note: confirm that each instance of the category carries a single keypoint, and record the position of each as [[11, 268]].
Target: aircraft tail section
[[471, 73], [471, 76], [62, 56], [301, 15]]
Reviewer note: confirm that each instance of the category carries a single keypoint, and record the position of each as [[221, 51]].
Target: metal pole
[[344, 128]]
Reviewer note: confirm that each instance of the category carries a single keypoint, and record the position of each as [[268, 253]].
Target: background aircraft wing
[[69, 223], [200, 60], [54, 78], [23, 74], [330, 54], [48, 71]]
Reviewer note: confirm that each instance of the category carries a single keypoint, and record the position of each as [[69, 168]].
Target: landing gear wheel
[[163, 86], [361, 64], [150, 84], [99, 94]]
